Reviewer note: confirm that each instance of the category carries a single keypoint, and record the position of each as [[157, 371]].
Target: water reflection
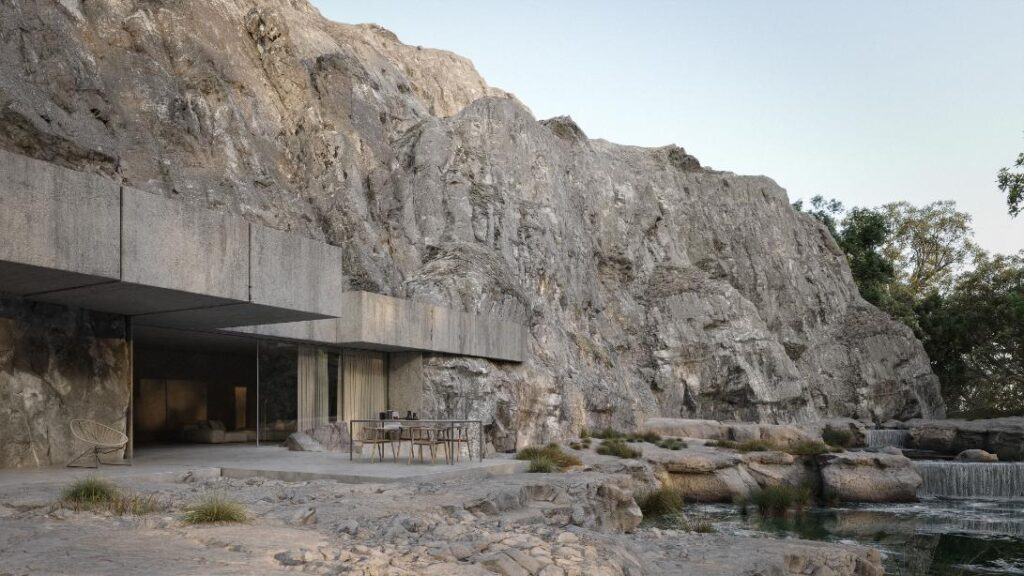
[[934, 537]]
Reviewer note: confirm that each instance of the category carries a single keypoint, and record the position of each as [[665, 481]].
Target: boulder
[[302, 442], [975, 455], [703, 475], [1001, 436], [869, 477], [775, 468], [686, 428], [786, 434], [333, 437]]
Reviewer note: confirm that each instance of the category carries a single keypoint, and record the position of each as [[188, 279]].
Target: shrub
[[215, 507], [584, 434], [837, 437], [742, 503], [617, 447], [90, 491], [810, 448], [575, 445], [659, 502], [549, 456], [586, 442], [652, 437]]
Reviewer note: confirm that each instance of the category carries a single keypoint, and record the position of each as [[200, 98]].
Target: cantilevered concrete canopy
[[82, 240], [378, 322]]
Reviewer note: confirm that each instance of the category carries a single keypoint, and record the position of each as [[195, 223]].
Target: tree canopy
[[921, 265]]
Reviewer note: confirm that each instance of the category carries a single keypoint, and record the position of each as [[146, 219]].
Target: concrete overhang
[[378, 322], [81, 240]]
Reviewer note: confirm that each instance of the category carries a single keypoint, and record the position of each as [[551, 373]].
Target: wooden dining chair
[[455, 436], [429, 436], [379, 435]]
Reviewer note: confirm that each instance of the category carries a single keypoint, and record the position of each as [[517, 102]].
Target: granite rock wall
[[650, 285]]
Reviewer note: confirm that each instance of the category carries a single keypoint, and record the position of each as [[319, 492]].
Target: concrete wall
[[80, 240], [58, 228], [405, 382]]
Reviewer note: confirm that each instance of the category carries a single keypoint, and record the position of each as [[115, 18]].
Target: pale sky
[[867, 102]]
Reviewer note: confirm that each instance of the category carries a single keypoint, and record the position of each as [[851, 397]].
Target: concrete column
[[405, 382]]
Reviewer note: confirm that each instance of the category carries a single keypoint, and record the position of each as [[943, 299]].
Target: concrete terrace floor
[[168, 462]]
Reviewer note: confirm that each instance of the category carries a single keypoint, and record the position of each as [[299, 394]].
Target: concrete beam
[[296, 273], [59, 229], [378, 322]]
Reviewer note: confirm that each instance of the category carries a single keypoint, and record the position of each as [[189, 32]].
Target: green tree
[[928, 245], [862, 235], [975, 337], [1011, 183], [828, 211]]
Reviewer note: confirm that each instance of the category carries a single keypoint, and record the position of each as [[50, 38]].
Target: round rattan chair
[[100, 439]]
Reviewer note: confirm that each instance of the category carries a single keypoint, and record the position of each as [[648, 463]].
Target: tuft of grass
[[137, 505], [584, 434], [701, 527], [837, 437], [101, 495], [810, 448], [90, 492], [542, 463], [608, 434], [575, 445], [660, 502], [672, 444], [550, 458], [215, 507], [617, 447], [779, 499]]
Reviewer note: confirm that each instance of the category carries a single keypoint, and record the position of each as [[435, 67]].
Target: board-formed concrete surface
[[82, 240], [296, 273], [379, 322], [58, 228]]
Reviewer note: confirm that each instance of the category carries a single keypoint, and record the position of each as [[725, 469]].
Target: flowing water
[[885, 438], [934, 537], [971, 479]]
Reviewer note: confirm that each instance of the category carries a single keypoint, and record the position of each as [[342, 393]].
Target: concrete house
[[159, 318]]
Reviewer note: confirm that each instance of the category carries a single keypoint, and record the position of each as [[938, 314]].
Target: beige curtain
[[365, 378], [313, 392]]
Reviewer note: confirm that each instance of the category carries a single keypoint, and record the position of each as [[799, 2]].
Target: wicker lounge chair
[[99, 439]]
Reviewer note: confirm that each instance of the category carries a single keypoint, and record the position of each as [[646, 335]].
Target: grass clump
[[550, 458], [671, 444], [810, 448], [660, 502], [137, 505], [90, 492], [837, 437], [779, 499], [608, 434], [101, 495], [617, 447], [701, 527], [215, 507]]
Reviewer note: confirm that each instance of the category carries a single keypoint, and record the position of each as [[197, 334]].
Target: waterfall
[[971, 479], [885, 438]]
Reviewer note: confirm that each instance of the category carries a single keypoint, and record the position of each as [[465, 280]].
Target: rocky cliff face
[[650, 285]]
